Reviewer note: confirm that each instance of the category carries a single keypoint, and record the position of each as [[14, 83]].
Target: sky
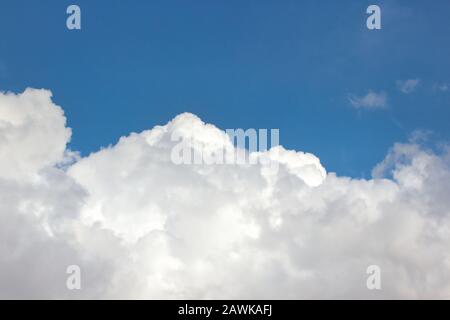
[[238, 64], [99, 201]]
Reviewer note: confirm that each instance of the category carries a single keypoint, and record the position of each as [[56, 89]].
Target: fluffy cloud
[[140, 226], [33, 133], [408, 86], [370, 101]]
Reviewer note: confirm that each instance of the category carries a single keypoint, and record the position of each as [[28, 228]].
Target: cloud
[[444, 87], [33, 133], [408, 86], [370, 101], [140, 226]]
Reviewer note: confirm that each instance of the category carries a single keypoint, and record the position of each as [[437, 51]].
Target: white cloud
[[370, 101], [141, 227], [33, 133], [408, 86], [444, 87]]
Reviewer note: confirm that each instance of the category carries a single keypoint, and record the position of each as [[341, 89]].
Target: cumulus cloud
[[140, 226], [370, 101], [408, 86], [33, 133]]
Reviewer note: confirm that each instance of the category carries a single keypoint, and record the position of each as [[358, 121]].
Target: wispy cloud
[[444, 87], [408, 86], [372, 100]]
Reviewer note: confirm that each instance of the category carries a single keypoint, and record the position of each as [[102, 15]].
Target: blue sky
[[290, 65]]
